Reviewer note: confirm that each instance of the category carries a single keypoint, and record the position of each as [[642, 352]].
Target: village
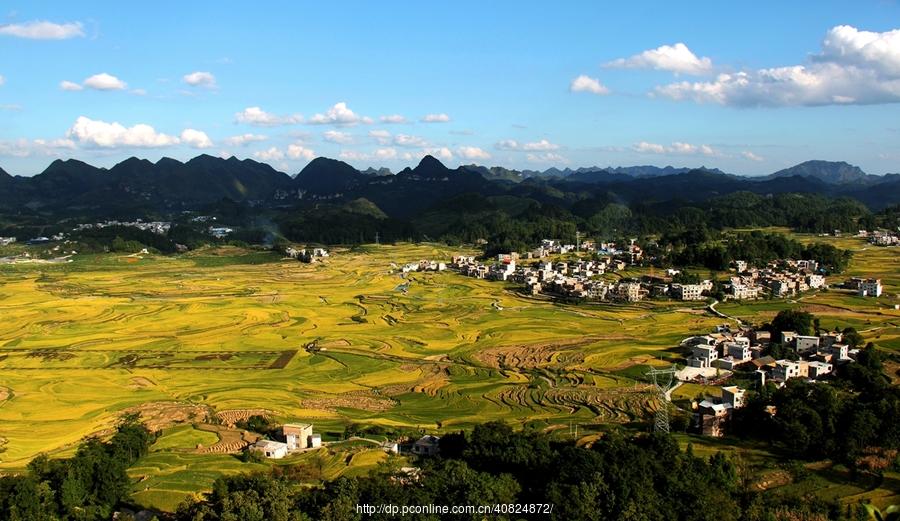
[[881, 237], [580, 278], [725, 353]]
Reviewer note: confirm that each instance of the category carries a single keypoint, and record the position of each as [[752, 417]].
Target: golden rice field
[[228, 329], [222, 331]]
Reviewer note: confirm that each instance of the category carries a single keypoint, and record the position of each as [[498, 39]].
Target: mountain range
[[72, 186]]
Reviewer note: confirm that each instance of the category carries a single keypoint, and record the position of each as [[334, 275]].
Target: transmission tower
[[578, 236], [663, 380], [377, 237]]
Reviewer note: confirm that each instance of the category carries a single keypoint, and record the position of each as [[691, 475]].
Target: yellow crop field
[[349, 339], [228, 329]]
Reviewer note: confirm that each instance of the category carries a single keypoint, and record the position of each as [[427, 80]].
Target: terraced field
[[226, 331], [876, 319], [229, 329]]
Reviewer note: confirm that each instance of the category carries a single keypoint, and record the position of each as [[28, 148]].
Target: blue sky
[[748, 88]]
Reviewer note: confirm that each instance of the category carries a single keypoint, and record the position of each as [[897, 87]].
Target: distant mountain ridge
[[833, 172], [168, 184]]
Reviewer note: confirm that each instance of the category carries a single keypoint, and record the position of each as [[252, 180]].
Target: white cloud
[[339, 114], [335, 136], [676, 148], [41, 147], [383, 137], [195, 138], [381, 154], [259, 117], [435, 118], [43, 30], [540, 145], [439, 152], [472, 153], [386, 153], [848, 45], [91, 132], [393, 118], [585, 83], [104, 81], [296, 151], [244, 139], [272, 154], [405, 140], [2, 80], [200, 79], [354, 155], [854, 67], [546, 157], [751, 156], [674, 58], [535, 146]]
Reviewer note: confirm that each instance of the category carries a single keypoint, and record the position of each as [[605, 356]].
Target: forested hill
[[171, 184], [330, 201]]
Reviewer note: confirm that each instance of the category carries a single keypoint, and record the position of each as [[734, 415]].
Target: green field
[[227, 329]]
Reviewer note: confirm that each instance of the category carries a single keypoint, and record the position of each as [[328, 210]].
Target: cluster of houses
[[780, 278], [578, 278], [157, 227], [295, 436], [6, 241], [574, 278], [306, 254], [881, 237], [423, 265], [724, 349], [865, 287], [817, 356], [633, 253]]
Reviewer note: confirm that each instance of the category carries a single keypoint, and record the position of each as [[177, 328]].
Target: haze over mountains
[[72, 185]]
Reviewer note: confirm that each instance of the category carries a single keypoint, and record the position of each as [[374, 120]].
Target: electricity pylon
[[663, 380]]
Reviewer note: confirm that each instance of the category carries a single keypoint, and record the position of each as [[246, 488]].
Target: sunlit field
[[220, 332], [229, 329]]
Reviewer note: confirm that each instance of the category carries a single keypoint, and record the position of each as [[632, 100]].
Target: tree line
[[86, 487], [643, 477]]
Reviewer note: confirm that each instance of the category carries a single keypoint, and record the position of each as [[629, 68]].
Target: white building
[[870, 288], [805, 344], [838, 351], [818, 369], [271, 449], [703, 356], [745, 291], [740, 352], [427, 445], [687, 291], [815, 280], [785, 370], [733, 396], [297, 435]]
